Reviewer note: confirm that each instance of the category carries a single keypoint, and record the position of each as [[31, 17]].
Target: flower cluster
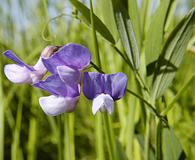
[[66, 64]]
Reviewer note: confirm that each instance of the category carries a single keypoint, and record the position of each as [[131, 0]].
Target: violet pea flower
[[64, 96], [68, 62], [65, 65], [23, 73], [104, 89]]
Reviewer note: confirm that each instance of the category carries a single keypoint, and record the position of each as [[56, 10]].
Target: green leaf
[[135, 19], [172, 148], [172, 55], [105, 10], [99, 25], [126, 32], [154, 37]]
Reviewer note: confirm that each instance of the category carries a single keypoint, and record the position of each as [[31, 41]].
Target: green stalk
[[15, 148], [170, 106], [159, 141], [69, 148], [94, 36], [59, 145], [130, 122], [147, 137], [1, 120], [98, 117], [109, 136], [32, 139], [33, 129]]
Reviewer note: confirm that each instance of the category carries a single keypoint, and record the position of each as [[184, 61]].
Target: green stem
[[147, 137], [99, 136], [170, 106], [33, 129], [32, 139], [15, 148], [94, 35], [59, 121], [109, 136], [159, 141], [1, 120], [138, 76], [98, 117], [69, 149], [130, 130]]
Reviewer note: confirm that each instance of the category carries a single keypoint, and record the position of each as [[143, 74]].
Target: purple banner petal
[[73, 55]]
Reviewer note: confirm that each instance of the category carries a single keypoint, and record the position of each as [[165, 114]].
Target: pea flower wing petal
[[54, 85], [17, 74]]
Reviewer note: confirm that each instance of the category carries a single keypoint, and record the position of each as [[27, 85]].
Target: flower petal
[[115, 85], [9, 54], [55, 105], [69, 75], [54, 85], [93, 84], [103, 102], [72, 55], [17, 74]]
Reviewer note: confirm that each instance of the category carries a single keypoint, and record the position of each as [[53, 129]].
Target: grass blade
[[126, 33], [99, 25]]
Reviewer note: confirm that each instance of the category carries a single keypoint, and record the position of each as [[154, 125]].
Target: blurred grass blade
[[172, 148], [1, 117], [170, 17], [126, 32], [172, 55], [99, 25], [106, 11], [154, 37], [135, 19]]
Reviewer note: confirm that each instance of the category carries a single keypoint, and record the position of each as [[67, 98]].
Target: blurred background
[[26, 27]]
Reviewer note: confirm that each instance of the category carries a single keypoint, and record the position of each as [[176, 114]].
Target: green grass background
[[27, 133]]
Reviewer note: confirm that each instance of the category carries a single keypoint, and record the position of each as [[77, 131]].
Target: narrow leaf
[[172, 55], [105, 10], [154, 37], [99, 25], [135, 18], [126, 33]]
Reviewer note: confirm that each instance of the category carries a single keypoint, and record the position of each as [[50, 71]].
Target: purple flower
[[65, 65], [71, 56], [104, 89], [64, 96], [23, 73]]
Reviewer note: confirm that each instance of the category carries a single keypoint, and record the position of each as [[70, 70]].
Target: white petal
[[39, 66], [55, 105], [17, 74], [102, 102]]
